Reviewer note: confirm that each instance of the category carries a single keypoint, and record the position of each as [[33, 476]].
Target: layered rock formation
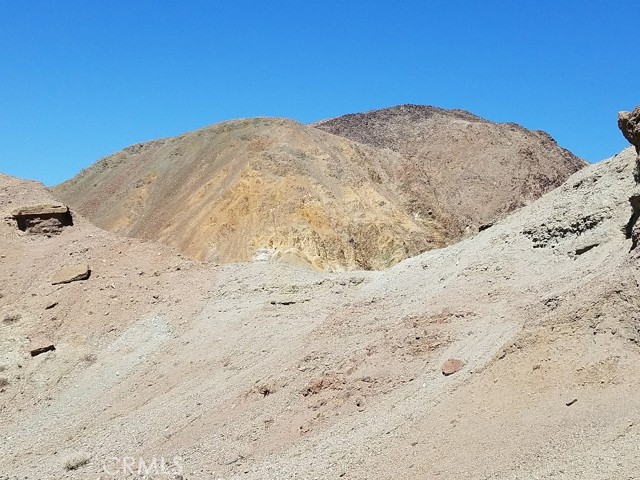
[[47, 219]]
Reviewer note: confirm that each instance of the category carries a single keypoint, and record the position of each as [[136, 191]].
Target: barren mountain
[[513, 354], [274, 187], [478, 170], [262, 186]]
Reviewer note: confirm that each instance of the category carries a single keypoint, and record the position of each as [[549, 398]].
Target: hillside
[[261, 186], [274, 187], [264, 370], [478, 170]]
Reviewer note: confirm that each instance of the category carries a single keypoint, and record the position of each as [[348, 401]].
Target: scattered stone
[[265, 390], [452, 366], [316, 385], [586, 248], [43, 219], [571, 402], [76, 460], [71, 273], [38, 351], [288, 301], [283, 302]]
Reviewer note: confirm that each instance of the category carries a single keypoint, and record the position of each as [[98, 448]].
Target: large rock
[[47, 219], [71, 273], [629, 124]]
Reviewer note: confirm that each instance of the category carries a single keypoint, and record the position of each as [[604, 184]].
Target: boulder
[[71, 273], [48, 219], [629, 124]]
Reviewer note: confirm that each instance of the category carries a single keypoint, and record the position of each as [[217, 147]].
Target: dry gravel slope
[[274, 187], [266, 370]]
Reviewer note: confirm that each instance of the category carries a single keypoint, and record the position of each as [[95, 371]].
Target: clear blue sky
[[80, 80]]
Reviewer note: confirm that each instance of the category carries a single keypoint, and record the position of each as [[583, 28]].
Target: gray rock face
[[629, 124]]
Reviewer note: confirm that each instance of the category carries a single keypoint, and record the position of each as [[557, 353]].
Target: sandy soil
[[267, 370]]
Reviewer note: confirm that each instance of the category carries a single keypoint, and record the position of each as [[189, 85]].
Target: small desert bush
[[4, 381]]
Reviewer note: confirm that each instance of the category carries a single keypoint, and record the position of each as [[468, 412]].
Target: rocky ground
[[265, 369], [274, 187]]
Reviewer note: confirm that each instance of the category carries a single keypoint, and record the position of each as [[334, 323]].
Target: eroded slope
[[265, 370]]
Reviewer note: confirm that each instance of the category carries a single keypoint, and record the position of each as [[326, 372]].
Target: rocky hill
[[477, 170], [261, 186], [277, 188], [122, 359]]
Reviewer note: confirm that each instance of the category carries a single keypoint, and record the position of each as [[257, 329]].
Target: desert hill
[[278, 188], [261, 186], [478, 170], [265, 370]]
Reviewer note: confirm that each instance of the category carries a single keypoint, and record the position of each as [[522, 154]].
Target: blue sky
[[80, 80]]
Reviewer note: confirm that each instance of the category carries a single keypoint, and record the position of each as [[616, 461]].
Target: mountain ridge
[[273, 186]]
